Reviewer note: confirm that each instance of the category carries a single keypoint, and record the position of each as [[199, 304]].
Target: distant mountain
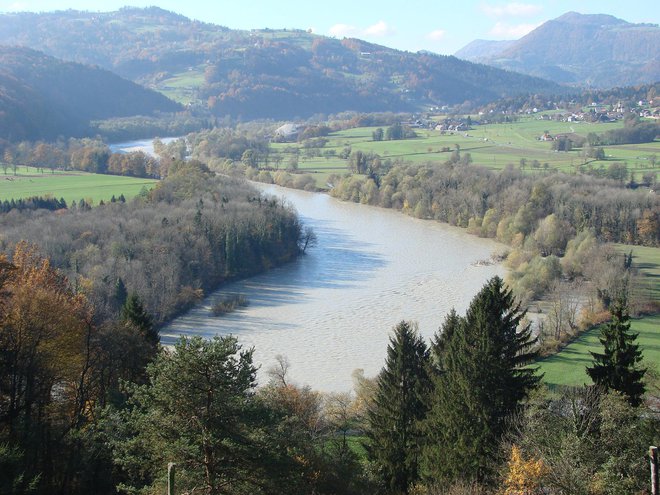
[[584, 50], [483, 49], [42, 97], [261, 73]]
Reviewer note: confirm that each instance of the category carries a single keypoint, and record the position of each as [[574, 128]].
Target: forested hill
[[595, 50], [260, 73], [42, 97]]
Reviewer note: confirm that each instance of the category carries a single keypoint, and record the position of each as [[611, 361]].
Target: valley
[[314, 253]]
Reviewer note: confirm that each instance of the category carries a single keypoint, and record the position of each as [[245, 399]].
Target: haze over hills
[[264, 73], [42, 97], [586, 50]]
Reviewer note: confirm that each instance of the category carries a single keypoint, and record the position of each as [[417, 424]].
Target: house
[[287, 132]]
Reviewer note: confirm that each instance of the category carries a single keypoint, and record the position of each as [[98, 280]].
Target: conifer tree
[[133, 312], [120, 294], [482, 380], [617, 368], [398, 406]]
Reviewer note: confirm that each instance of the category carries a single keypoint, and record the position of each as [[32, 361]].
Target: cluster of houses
[[606, 113]]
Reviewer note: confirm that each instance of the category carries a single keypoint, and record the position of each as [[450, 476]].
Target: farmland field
[[72, 186], [493, 146], [567, 367], [182, 87]]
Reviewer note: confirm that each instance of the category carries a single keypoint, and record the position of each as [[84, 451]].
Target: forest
[[170, 246], [91, 402], [43, 98], [262, 73], [97, 406]]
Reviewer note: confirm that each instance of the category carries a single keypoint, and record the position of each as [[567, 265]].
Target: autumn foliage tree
[[46, 360]]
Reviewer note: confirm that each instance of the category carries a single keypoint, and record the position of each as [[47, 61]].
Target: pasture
[[494, 146], [72, 186], [568, 366], [182, 87]]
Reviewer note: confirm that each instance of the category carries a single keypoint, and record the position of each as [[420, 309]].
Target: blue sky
[[435, 25]]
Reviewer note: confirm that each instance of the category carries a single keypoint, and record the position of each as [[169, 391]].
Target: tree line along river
[[331, 311]]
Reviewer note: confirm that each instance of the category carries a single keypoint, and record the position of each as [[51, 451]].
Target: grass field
[[72, 186], [183, 87], [568, 366], [494, 146], [647, 261]]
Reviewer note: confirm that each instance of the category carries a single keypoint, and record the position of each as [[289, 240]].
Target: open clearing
[[568, 366], [72, 186], [493, 146]]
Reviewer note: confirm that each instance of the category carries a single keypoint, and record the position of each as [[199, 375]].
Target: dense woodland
[[43, 98], [96, 406], [170, 246], [90, 402], [261, 73]]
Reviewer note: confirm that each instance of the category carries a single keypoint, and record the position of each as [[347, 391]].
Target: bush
[[229, 304]]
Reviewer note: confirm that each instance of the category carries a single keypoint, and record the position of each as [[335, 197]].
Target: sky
[[437, 25]]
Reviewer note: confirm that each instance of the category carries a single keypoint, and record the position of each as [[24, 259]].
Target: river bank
[[332, 310]]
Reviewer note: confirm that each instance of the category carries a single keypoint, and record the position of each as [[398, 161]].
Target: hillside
[[482, 49], [42, 97], [587, 50], [260, 73]]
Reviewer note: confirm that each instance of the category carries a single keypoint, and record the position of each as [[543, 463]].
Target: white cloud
[[505, 30], [17, 7], [436, 35], [380, 29], [513, 9], [343, 30]]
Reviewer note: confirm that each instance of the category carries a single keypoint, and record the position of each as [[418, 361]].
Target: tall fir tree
[[133, 312], [482, 378], [398, 406], [119, 294], [617, 367]]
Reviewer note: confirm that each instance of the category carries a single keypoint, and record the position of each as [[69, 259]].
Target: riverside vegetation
[[559, 225], [90, 402], [95, 405]]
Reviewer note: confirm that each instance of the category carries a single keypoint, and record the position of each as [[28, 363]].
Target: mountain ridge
[[42, 97], [591, 50], [263, 73]]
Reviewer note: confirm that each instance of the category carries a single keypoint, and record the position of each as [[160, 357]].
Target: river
[[332, 310], [144, 145]]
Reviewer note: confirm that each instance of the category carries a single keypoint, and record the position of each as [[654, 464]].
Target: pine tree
[[482, 380], [133, 312], [120, 294], [617, 368], [398, 406]]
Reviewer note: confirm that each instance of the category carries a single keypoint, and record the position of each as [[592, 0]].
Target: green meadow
[[493, 146], [72, 186], [647, 261], [182, 87], [568, 366]]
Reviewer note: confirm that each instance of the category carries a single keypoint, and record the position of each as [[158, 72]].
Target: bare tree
[[279, 371], [308, 239]]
